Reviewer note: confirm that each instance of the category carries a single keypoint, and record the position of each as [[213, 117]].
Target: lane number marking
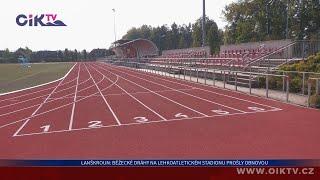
[[219, 111], [256, 109], [95, 124], [45, 128], [141, 119], [180, 115]]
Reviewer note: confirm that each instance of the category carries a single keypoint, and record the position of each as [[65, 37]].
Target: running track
[[102, 111]]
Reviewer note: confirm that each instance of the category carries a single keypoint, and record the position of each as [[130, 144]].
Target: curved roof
[[136, 48]]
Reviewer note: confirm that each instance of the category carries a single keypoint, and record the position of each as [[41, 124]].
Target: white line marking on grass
[[203, 99], [74, 101], [175, 102], [51, 100], [104, 99], [20, 102], [33, 92], [39, 84]]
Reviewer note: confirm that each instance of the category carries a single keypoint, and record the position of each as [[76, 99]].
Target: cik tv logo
[[39, 20]]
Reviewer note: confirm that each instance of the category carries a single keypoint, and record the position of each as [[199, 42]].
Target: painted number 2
[[95, 124]]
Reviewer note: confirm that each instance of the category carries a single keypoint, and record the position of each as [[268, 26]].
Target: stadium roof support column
[[203, 24]]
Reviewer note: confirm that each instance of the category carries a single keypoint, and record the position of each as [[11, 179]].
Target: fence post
[[197, 75], [250, 83], [283, 81], [205, 76], [309, 92], [317, 86], [224, 79], [213, 77], [267, 86], [190, 73], [184, 72], [236, 82], [288, 88], [303, 79]]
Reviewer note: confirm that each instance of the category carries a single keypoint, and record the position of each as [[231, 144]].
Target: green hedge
[[311, 64]]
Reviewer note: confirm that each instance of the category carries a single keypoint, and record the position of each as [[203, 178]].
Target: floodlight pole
[[287, 21], [203, 23], [114, 24]]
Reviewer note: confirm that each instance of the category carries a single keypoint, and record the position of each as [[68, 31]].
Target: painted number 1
[[45, 128]]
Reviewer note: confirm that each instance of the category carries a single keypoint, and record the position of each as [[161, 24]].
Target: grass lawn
[[14, 77]]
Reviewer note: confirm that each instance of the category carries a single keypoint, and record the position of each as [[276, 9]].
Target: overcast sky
[[90, 22]]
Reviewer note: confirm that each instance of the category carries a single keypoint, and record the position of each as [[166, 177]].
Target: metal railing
[[317, 84], [297, 50], [210, 76]]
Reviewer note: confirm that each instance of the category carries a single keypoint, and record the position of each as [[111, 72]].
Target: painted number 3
[[140, 119]]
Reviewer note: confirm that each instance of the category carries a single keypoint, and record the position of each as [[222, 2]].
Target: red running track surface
[[103, 111]]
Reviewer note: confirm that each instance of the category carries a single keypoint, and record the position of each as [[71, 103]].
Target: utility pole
[[204, 23]]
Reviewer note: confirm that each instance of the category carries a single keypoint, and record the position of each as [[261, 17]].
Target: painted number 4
[[256, 109], [220, 112]]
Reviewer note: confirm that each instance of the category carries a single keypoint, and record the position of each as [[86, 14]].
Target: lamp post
[[114, 24], [203, 22], [160, 43], [287, 20]]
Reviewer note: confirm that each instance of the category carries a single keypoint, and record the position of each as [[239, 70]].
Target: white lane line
[[34, 113], [20, 102], [197, 97], [184, 84], [62, 106], [33, 92], [153, 92], [15, 98], [148, 122], [39, 84], [104, 99], [74, 101], [147, 107], [120, 94], [49, 100]]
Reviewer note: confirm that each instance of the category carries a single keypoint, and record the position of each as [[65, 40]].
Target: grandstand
[[197, 52], [138, 48], [246, 58]]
